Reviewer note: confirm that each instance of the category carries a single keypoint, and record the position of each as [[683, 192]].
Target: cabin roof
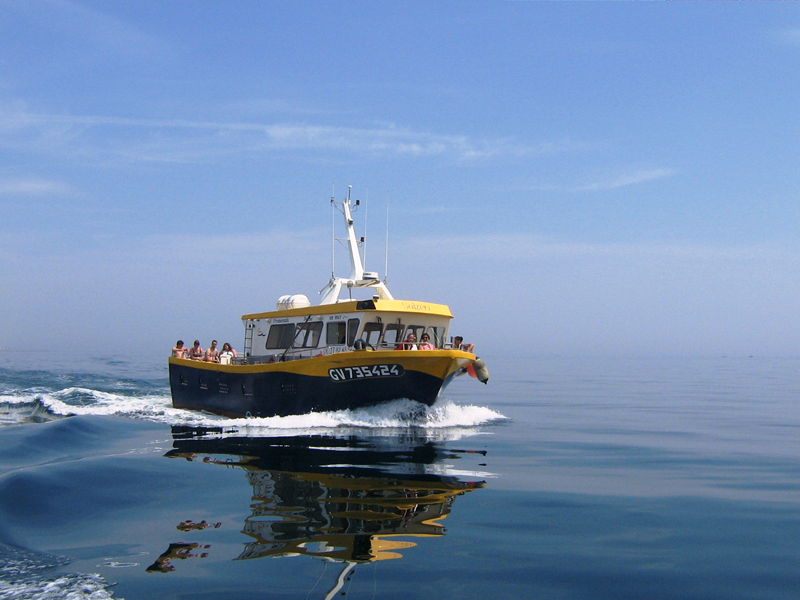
[[354, 306]]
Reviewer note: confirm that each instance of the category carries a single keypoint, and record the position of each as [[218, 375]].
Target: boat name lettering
[[283, 320], [365, 372], [416, 306], [334, 349]]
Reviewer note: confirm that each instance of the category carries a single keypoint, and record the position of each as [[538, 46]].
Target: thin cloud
[[496, 248], [626, 180], [78, 22], [609, 183], [185, 140], [32, 187], [258, 107], [789, 37]]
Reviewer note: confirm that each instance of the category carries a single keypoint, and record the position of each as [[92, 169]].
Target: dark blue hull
[[266, 391]]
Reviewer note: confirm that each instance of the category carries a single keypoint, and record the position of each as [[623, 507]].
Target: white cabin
[[331, 328]]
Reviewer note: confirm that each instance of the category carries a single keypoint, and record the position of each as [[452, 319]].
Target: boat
[[345, 353]]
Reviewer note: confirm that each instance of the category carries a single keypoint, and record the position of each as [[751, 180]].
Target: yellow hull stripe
[[438, 363]]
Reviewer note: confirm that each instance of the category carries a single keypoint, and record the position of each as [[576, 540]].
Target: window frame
[[309, 332], [340, 337], [398, 327], [284, 332], [352, 330], [370, 328]]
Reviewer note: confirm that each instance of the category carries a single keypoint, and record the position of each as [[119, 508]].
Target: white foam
[[444, 420], [66, 587], [28, 574], [399, 414]]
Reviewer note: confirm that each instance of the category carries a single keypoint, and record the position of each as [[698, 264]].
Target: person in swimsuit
[[179, 351], [212, 354], [458, 344], [196, 352], [228, 354], [425, 344]]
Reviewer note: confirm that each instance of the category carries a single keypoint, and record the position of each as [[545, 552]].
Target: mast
[[340, 581], [358, 277], [356, 267]]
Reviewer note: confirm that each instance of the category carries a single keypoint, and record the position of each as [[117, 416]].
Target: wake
[[35, 405]]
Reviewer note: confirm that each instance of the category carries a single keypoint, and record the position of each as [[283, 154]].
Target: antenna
[[333, 233], [366, 208], [386, 268]]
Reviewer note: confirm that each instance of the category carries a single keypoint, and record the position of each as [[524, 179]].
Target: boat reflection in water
[[351, 499]]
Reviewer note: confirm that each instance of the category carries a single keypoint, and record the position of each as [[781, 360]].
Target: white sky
[[572, 178]]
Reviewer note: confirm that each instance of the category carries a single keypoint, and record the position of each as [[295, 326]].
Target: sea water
[[576, 478]]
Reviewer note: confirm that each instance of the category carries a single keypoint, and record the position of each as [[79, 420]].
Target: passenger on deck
[[458, 344], [409, 344], [425, 344], [179, 351], [196, 352], [212, 354], [227, 355]]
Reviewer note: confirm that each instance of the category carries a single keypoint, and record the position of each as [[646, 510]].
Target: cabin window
[[308, 335], [416, 330], [352, 330], [437, 336], [372, 333], [335, 333], [280, 336], [393, 334]]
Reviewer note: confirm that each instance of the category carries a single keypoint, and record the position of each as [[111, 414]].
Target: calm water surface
[[561, 479]]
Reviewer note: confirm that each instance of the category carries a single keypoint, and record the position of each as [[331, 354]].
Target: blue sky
[[572, 178]]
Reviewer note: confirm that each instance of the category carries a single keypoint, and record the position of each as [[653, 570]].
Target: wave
[[28, 574], [38, 404]]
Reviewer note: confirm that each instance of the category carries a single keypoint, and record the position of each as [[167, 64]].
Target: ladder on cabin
[[248, 339]]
